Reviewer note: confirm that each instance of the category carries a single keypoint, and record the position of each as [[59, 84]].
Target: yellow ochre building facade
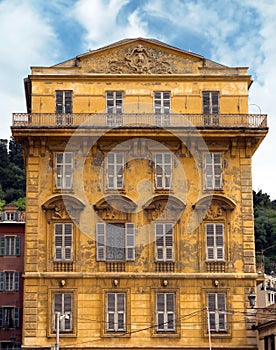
[[139, 217]]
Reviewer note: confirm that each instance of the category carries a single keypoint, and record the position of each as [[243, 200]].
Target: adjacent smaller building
[[266, 291], [12, 228]]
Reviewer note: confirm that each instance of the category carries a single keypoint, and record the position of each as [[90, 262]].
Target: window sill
[[114, 334], [166, 334]]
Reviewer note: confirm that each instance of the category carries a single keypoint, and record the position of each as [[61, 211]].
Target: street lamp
[[252, 298], [59, 317]]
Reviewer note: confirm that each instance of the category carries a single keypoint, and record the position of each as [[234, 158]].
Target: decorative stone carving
[[139, 60], [214, 213]]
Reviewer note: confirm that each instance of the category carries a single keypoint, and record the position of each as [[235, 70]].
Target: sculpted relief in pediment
[[138, 59]]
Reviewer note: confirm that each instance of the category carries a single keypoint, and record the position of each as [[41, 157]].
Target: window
[[210, 102], [63, 241], [115, 170], [217, 311], [164, 241], [162, 107], [10, 246], [116, 312], [9, 216], [165, 312], [9, 317], [163, 170], [63, 101], [63, 305], [114, 102], [214, 241], [115, 242], [269, 342], [64, 173], [213, 170], [9, 281]]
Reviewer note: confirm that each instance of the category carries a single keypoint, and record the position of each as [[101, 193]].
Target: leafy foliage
[[265, 229], [12, 172]]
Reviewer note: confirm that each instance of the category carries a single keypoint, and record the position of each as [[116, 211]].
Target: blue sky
[[231, 32]]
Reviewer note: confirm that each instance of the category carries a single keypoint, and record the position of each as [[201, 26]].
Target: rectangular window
[[63, 303], [9, 281], [214, 241], [116, 312], [9, 246], [63, 241], [164, 242], [9, 216], [64, 101], [162, 107], [114, 102], [64, 170], [165, 312], [115, 242], [9, 317], [210, 102], [115, 170], [163, 170], [213, 171], [217, 312]]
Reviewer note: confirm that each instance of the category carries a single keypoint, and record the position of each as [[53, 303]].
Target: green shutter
[[1, 281], [2, 246], [16, 317], [17, 246], [16, 281]]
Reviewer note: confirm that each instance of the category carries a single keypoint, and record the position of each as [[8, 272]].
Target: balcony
[[105, 120]]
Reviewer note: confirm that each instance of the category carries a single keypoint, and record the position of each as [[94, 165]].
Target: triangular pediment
[[138, 56]]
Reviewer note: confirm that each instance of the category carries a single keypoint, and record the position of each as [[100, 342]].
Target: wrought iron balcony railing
[[106, 120]]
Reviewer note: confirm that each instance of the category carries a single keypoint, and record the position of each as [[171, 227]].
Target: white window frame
[[163, 170], [162, 107], [10, 246], [63, 237], [165, 313], [114, 102], [101, 241], [213, 170], [9, 281], [64, 170], [64, 101], [164, 242], [216, 304], [214, 233], [210, 102], [65, 309], [116, 312], [115, 170]]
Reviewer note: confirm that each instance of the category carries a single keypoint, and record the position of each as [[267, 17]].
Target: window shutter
[[68, 240], [1, 281], [1, 317], [130, 242], [16, 216], [3, 216], [101, 243], [160, 306], [58, 242], [68, 101], [59, 101], [217, 170], [111, 311], [16, 281], [2, 246], [68, 169], [58, 302], [170, 311], [220, 241], [67, 311], [211, 310], [119, 169], [163, 170], [159, 241], [215, 102], [169, 242], [209, 170], [210, 241], [121, 311], [221, 309], [206, 102], [17, 246], [16, 317]]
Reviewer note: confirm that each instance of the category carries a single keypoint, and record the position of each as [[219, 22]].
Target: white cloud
[[25, 40], [100, 19]]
